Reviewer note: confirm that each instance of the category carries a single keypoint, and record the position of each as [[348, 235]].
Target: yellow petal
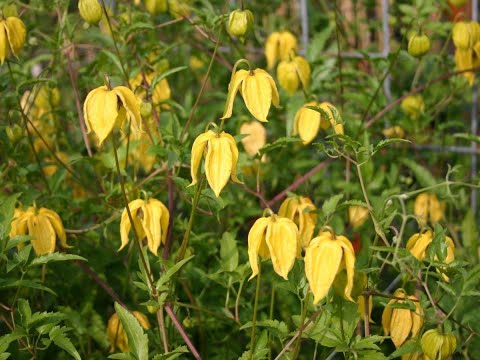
[[418, 243], [282, 241], [16, 33], [234, 150], [57, 224], [401, 326], [420, 208], [233, 87], [42, 233], [256, 137], [3, 42], [435, 208], [125, 224], [287, 76], [131, 103], [349, 258], [218, 163], [417, 316], [387, 317], [257, 94], [322, 260], [101, 112], [155, 219], [271, 49], [197, 152], [257, 244], [142, 319], [303, 70], [288, 43], [307, 123]]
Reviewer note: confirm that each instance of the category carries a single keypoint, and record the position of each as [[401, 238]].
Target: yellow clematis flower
[[301, 211], [256, 139], [464, 60], [428, 208], [258, 90], [43, 225], [151, 219], [292, 73], [116, 334], [278, 46], [326, 255], [357, 215], [413, 106], [402, 323], [105, 109], [273, 237], [394, 132], [12, 37], [220, 159], [308, 122], [156, 6], [90, 11], [438, 346]]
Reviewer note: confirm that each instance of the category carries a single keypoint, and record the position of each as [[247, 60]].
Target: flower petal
[[42, 233], [16, 33], [234, 150], [131, 103], [257, 94], [197, 152], [257, 244], [218, 163], [233, 87], [349, 258], [57, 224], [282, 241], [125, 224]]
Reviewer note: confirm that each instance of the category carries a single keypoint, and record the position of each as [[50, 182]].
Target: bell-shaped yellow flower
[[308, 122], [394, 132], [12, 37], [325, 256], [256, 137], [220, 159], [273, 237], [117, 336], [279, 45], [292, 73], [413, 106], [156, 6], [428, 208], [43, 225], [462, 35], [90, 11], [357, 215], [438, 346], [464, 60], [402, 323], [258, 90], [301, 210], [151, 219], [105, 109]]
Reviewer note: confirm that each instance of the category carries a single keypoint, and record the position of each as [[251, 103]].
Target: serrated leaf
[[279, 143], [137, 339], [447, 288], [56, 256], [408, 347], [330, 205], [13, 283], [16, 240], [25, 311], [165, 74], [278, 327], [228, 252], [423, 175], [57, 335], [172, 271], [174, 354]]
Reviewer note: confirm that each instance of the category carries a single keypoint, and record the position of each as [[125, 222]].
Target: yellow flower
[[105, 109], [179, 8], [357, 215], [428, 208], [278, 47], [239, 23], [293, 72], [256, 137], [325, 256], [220, 159], [401, 323], [301, 210], [151, 219], [275, 237], [116, 334], [394, 132], [413, 106], [308, 122], [156, 6], [90, 11], [462, 35], [464, 61], [258, 90], [12, 37], [438, 346], [418, 45], [43, 225]]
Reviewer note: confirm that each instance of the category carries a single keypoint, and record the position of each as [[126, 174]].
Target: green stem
[[272, 305], [303, 304], [255, 308]]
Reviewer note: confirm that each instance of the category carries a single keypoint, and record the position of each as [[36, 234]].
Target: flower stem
[[255, 308]]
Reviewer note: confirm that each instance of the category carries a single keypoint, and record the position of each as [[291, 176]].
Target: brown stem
[[171, 209], [182, 332]]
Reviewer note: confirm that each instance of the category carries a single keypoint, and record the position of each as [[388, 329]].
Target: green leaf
[[45, 259], [470, 231], [25, 311], [165, 74], [138, 26], [172, 271], [174, 354], [447, 288], [468, 137], [16, 240], [13, 283], [114, 59], [57, 335], [275, 326], [260, 350], [7, 207], [228, 252], [137, 339], [408, 347], [330, 205], [278, 144], [423, 175]]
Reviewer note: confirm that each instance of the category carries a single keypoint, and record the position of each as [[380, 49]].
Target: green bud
[[90, 11], [239, 23], [418, 45]]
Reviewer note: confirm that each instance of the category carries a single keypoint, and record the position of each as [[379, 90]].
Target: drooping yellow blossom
[[273, 237], [394, 132], [464, 61], [256, 137], [466, 38], [413, 106], [117, 337], [325, 256], [292, 73], [402, 323], [179, 8], [438, 346], [90, 11], [220, 159], [12, 37], [43, 225], [105, 109], [428, 208], [258, 90], [462, 35], [156, 6], [357, 215], [279, 46], [308, 122], [151, 219], [301, 210]]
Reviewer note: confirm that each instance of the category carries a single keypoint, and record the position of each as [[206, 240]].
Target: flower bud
[[413, 106], [438, 346], [179, 8], [239, 23], [279, 45], [292, 73], [462, 35], [14, 133], [90, 11], [418, 45], [394, 132], [156, 6], [145, 109]]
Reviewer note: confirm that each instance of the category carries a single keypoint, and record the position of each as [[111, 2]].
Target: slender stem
[[303, 315], [181, 330], [237, 301], [171, 209], [339, 57], [255, 308], [163, 334], [366, 317], [418, 72], [270, 317]]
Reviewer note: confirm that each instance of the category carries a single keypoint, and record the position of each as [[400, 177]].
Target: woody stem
[[255, 307]]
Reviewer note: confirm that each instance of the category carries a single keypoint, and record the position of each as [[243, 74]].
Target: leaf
[[13, 283], [469, 230], [228, 252], [138, 26], [408, 347], [114, 59], [447, 288], [386, 142], [438, 246], [57, 335], [330, 205], [174, 354], [423, 176], [137, 339], [369, 342], [278, 144], [56, 256], [260, 349], [165, 74], [7, 207], [25, 311], [172, 271], [468, 137], [16, 240], [275, 326]]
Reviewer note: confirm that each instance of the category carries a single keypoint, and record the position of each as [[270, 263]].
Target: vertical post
[[304, 24], [386, 47], [474, 124]]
